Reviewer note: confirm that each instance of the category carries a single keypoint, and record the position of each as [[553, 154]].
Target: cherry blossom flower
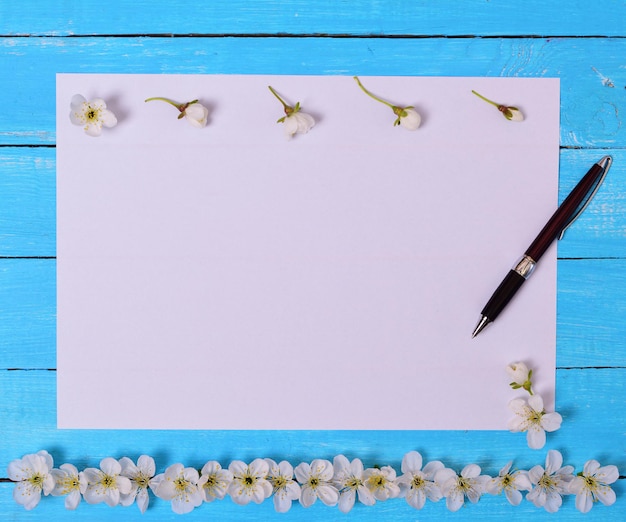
[[550, 483], [194, 112], [295, 121], [510, 113], [91, 115], [214, 481], [179, 485], [140, 476], [408, 117], [592, 484], [530, 417], [106, 484], [469, 483], [511, 483], [33, 476], [348, 479], [286, 490], [417, 483], [69, 483], [381, 482], [315, 481], [520, 376], [250, 482]]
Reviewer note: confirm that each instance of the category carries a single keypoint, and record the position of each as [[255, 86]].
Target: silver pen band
[[525, 266]]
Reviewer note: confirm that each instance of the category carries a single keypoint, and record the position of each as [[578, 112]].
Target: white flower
[[106, 484], [510, 113], [408, 117], [33, 476], [180, 485], [348, 479], [298, 122], [194, 112], [315, 481], [381, 482], [550, 483], [510, 483], [92, 115], [250, 482], [417, 483], [520, 376], [592, 484], [294, 121], [214, 481], [469, 483], [286, 490], [140, 476], [532, 418], [68, 481]]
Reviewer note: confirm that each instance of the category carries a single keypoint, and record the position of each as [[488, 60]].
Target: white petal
[[308, 497], [584, 501], [606, 495], [513, 496], [72, 500], [470, 471], [607, 474], [536, 402], [346, 500], [258, 468], [536, 437], [77, 102], [108, 118], [554, 461], [411, 462], [328, 494], [412, 120], [455, 500], [143, 499], [282, 503], [551, 421]]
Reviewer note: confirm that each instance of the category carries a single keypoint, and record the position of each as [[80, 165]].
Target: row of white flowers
[[93, 115], [339, 483]]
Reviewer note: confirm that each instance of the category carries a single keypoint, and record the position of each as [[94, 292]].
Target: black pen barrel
[[564, 213], [503, 294]]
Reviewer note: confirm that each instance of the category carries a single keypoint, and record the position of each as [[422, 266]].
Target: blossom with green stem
[[294, 121], [408, 117], [521, 376], [509, 112], [195, 113]]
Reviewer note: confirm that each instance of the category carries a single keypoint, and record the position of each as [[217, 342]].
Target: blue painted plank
[[337, 17], [591, 70], [586, 398], [28, 209]]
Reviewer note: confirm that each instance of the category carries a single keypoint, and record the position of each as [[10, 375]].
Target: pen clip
[[584, 204]]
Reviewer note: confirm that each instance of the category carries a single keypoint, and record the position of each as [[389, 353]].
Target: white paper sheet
[[229, 278]]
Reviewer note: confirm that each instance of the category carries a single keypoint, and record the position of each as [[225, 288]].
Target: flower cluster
[[530, 415], [340, 483]]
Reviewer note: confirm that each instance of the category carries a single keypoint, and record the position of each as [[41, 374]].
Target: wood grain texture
[[302, 17], [582, 43], [590, 115]]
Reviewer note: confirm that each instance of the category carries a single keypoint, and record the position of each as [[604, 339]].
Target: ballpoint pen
[[573, 205]]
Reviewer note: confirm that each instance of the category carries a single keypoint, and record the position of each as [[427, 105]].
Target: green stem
[[486, 99], [372, 95], [167, 100], [279, 98]]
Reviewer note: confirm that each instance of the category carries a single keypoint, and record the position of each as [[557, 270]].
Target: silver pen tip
[[484, 321], [606, 162]]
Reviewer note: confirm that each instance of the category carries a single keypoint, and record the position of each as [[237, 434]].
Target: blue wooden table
[[582, 43]]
